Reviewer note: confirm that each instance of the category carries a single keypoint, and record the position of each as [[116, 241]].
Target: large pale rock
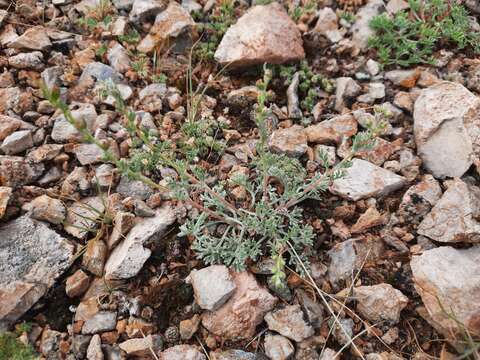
[[380, 302], [265, 34], [127, 259], [32, 257], [182, 352], [290, 323], [448, 280], [361, 28], [454, 217], [447, 129], [364, 179], [212, 286], [239, 316]]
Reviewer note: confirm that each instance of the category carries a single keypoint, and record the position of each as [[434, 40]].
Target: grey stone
[[291, 141], [232, 355], [63, 131], [100, 322], [34, 38], [17, 142], [454, 216], [212, 286], [32, 257], [118, 58], [99, 72], [361, 28], [346, 88], [134, 188], [144, 9], [15, 171], [88, 154], [364, 179], [28, 61], [447, 129]]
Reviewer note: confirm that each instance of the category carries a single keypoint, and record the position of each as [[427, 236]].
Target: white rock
[[127, 259], [118, 58], [361, 28], [380, 302], [100, 322], [448, 280], [212, 286], [17, 142], [29, 61], [182, 352], [454, 217], [94, 351], [265, 34], [447, 129], [363, 180], [144, 9], [346, 88]]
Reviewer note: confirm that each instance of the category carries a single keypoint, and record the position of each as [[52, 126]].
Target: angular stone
[[363, 180], [182, 352], [141, 346], [380, 302], [289, 322], [265, 34], [94, 350], [291, 141], [123, 222], [189, 327], [127, 259], [448, 280], [447, 129], [8, 125], [333, 130], [240, 315], [278, 347], [32, 257], [403, 78], [232, 355], [34, 38], [348, 256], [144, 9], [77, 284], [48, 209], [94, 257], [419, 199], [346, 88], [361, 29], [17, 142], [16, 171], [82, 215], [212, 286], [99, 72], [63, 131], [118, 58], [27, 61], [170, 23], [100, 322], [367, 220], [134, 188], [45, 152], [88, 154], [454, 217]]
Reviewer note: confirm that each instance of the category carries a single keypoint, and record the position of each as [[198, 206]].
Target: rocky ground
[[91, 266]]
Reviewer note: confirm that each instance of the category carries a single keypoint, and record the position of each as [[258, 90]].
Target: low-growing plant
[[309, 85], [13, 349], [132, 37], [411, 36], [298, 11], [98, 17], [265, 219]]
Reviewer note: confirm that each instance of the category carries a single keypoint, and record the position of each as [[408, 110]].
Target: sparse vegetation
[[98, 17], [411, 37], [13, 349]]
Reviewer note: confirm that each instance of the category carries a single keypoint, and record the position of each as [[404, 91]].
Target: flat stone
[[332, 131], [447, 129], [142, 346], [240, 315], [278, 347], [17, 142], [370, 218], [380, 302], [212, 286], [454, 216], [182, 352], [15, 171], [94, 257], [63, 131], [8, 125], [32, 257], [348, 256], [34, 38], [27, 61], [123, 222], [100, 322], [99, 72], [264, 34], [48, 209], [81, 216], [289, 322], [45, 152], [403, 78], [448, 280], [88, 154], [363, 180], [144, 9], [127, 259], [134, 188], [291, 141]]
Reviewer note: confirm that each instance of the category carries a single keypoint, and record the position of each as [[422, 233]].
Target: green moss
[[12, 349]]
